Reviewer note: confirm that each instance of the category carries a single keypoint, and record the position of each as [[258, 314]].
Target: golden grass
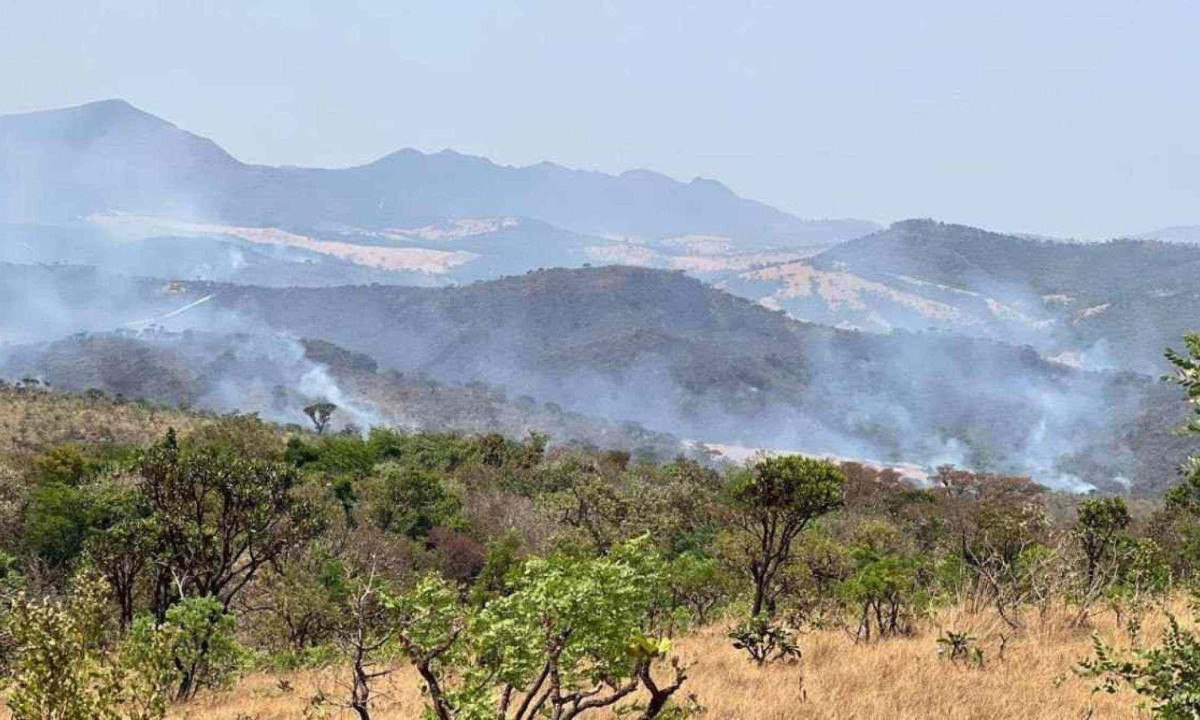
[[32, 420], [838, 680]]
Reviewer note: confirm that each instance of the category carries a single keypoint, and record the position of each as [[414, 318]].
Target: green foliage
[[66, 666], [773, 503], [886, 587], [570, 630], [766, 641], [499, 565], [61, 517], [411, 502], [790, 486], [1187, 373], [220, 516], [1168, 675], [203, 646], [1099, 527], [699, 584]]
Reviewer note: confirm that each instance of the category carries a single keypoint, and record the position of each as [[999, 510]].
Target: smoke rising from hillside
[[78, 330]]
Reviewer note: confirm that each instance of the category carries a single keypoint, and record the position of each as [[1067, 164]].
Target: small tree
[[571, 638], [699, 584], [320, 414], [1098, 530], [773, 503], [364, 636], [219, 518], [203, 647], [66, 665], [1099, 533]]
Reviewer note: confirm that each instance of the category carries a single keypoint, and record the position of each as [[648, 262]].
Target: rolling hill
[[666, 350], [1116, 304], [658, 348]]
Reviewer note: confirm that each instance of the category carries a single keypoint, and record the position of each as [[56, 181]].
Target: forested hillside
[[1114, 304], [602, 341]]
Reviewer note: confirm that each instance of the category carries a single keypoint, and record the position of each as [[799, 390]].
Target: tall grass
[[838, 679]]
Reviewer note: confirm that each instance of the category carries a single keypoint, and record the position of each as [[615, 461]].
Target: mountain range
[[444, 216], [140, 259]]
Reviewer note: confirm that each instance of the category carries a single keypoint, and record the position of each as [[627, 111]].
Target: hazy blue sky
[[1075, 118]]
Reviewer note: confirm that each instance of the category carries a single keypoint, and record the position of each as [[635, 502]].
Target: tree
[[203, 647], [220, 518], [1187, 374], [66, 665], [569, 639], [699, 584], [1098, 529], [364, 635], [298, 606], [998, 524], [885, 584], [320, 414], [411, 501], [773, 503], [122, 553]]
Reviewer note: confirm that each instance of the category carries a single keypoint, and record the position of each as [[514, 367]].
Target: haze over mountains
[[195, 277], [432, 215]]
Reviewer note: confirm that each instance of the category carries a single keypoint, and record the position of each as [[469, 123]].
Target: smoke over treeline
[[657, 348]]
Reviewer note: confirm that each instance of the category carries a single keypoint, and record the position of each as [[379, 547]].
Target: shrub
[[1168, 675], [67, 668], [765, 641]]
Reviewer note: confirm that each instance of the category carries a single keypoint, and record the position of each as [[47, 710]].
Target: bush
[[203, 647], [66, 667], [1167, 675], [765, 641]]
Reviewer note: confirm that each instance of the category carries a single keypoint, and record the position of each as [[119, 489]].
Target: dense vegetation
[[521, 580]]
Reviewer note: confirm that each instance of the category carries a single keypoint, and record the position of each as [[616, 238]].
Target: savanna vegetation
[[158, 564]]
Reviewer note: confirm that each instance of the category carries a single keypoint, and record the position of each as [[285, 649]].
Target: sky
[[1076, 118]]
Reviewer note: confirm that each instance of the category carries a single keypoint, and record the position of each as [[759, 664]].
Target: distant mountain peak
[[644, 174], [916, 224], [111, 156], [101, 113]]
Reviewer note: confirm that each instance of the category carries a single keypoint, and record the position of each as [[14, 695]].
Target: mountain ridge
[[400, 186]]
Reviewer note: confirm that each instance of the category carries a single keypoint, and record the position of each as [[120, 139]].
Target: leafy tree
[[773, 503], [66, 666], [411, 502], [569, 639], [502, 559], [699, 584], [1187, 374], [1098, 529], [122, 553], [220, 518], [203, 647], [886, 587], [320, 415], [886, 584], [299, 606]]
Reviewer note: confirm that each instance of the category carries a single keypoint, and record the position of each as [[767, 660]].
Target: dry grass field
[[32, 420], [838, 680]]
